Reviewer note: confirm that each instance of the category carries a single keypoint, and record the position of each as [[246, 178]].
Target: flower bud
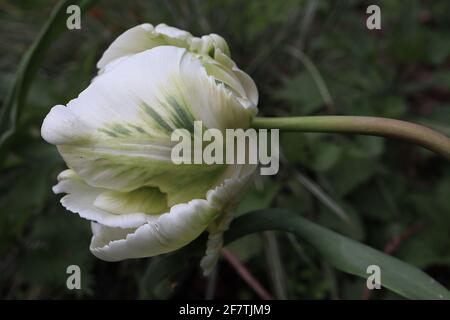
[[115, 139]]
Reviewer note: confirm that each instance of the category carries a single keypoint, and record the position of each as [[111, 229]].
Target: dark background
[[388, 194]]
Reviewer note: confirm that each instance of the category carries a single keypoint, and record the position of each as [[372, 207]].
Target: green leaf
[[343, 253], [16, 96]]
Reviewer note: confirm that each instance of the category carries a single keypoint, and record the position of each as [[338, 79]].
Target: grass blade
[[343, 253], [16, 96]]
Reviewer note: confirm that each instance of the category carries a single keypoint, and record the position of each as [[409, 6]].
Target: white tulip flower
[[115, 139]]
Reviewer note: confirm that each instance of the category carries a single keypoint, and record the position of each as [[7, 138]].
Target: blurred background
[[307, 57]]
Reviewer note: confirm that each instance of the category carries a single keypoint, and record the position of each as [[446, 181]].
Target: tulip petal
[[80, 199], [246, 81], [228, 197], [169, 231], [146, 199], [142, 38], [207, 45], [116, 134]]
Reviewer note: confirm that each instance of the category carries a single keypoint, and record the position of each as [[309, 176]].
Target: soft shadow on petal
[[166, 233], [142, 38], [80, 199], [226, 196], [169, 231], [211, 101], [246, 81]]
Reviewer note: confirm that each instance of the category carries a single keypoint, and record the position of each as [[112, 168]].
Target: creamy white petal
[[145, 36], [227, 196], [246, 81], [212, 102], [173, 36], [142, 38], [208, 44], [80, 199], [169, 231], [121, 124]]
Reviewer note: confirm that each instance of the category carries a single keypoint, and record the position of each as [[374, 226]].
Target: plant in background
[[115, 138]]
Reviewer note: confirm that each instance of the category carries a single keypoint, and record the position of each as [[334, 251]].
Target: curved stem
[[374, 126]]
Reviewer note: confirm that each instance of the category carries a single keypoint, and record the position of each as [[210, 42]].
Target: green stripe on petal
[[158, 119], [127, 170], [119, 128], [183, 117]]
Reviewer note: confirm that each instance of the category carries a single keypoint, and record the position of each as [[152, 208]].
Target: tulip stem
[[374, 126]]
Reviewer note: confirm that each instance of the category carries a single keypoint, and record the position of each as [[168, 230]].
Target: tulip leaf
[[343, 253], [16, 95]]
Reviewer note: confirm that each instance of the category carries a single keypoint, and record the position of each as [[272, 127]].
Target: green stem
[[374, 126]]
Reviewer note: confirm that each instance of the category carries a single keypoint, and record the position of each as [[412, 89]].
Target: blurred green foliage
[[387, 194]]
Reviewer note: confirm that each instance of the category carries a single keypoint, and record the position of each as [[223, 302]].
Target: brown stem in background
[[246, 275]]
